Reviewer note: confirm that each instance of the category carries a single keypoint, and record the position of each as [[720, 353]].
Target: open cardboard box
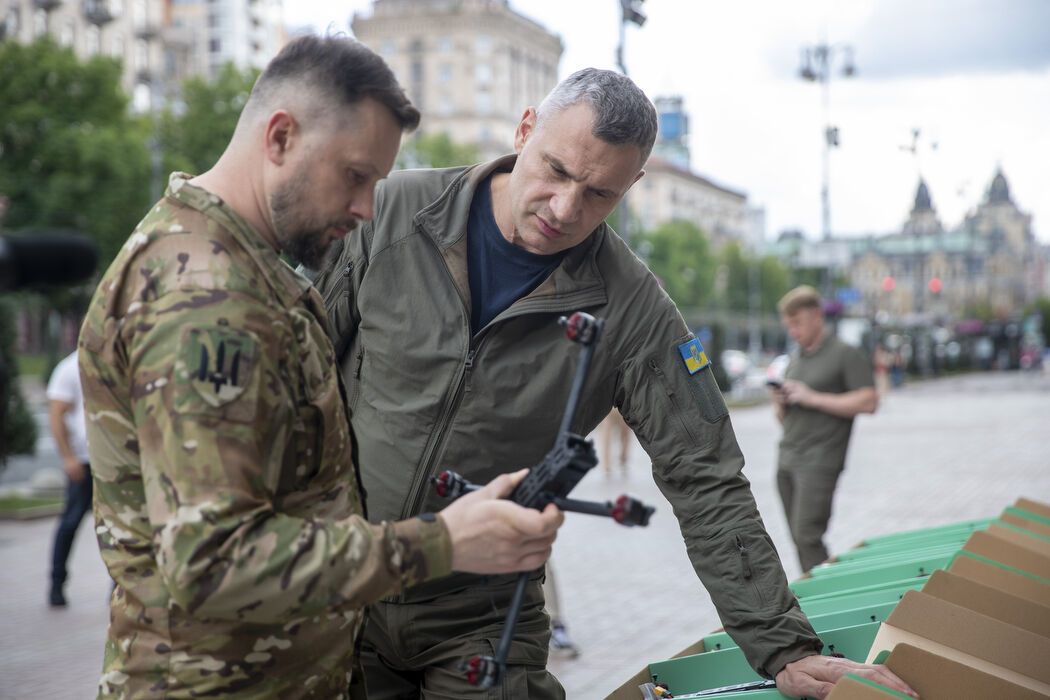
[[936, 677], [629, 690], [1030, 525], [998, 549], [967, 637], [995, 576], [1040, 509], [1003, 606]]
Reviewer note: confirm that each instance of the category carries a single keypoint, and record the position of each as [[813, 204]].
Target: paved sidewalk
[[937, 452]]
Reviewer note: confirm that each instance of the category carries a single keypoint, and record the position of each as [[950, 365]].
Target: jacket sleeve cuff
[[782, 658], [421, 549]]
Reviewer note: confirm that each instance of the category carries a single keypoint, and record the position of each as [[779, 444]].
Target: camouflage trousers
[[414, 650]]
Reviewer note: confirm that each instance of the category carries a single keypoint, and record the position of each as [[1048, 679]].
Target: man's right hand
[[491, 535], [74, 469]]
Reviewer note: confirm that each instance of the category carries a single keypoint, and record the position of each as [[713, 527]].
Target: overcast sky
[[972, 75]]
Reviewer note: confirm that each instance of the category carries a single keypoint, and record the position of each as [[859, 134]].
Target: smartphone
[[774, 383]]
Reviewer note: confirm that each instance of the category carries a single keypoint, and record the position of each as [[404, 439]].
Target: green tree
[[194, 135], [70, 154], [678, 253], [17, 427], [435, 151], [774, 282]]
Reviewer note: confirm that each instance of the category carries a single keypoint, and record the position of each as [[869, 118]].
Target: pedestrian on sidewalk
[[615, 433], [561, 644], [65, 403], [826, 385]]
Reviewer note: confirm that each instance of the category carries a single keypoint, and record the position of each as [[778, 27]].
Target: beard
[[300, 232]]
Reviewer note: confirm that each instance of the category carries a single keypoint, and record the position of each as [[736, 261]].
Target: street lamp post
[[630, 11], [817, 66]]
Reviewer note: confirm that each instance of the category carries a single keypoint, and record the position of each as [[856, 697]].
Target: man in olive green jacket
[[444, 316]]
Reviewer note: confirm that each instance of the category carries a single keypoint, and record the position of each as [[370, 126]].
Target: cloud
[[934, 38]]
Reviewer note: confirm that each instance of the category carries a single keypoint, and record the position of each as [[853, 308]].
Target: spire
[[999, 191], [922, 199]]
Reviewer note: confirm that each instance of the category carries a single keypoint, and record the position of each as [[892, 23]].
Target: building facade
[[160, 42], [989, 264], [670, 192], [471, 66], [128, 30]]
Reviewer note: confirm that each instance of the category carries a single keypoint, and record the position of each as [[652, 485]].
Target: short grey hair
[[622, 112]]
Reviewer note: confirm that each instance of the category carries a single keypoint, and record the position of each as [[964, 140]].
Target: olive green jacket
[[426, 394]]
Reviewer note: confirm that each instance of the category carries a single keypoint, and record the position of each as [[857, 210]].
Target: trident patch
[[218, 362]]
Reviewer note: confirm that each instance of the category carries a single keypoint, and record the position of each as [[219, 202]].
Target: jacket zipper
[[346, 273], [448, 411], [745, 567]]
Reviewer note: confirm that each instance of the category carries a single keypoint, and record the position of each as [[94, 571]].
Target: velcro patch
[[693, 355], [219, 362]]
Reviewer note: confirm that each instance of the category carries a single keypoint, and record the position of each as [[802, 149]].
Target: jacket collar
[[445, 221]]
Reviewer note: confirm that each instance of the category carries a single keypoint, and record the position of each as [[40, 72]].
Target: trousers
[[416, 649], [807, 496], [78, 503]]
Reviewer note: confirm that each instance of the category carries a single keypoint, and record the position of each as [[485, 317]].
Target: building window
[[417, 71], [213, 20], [483, 101], [483, 73], [39, 23], [445, 104], [116, 46], [388, 48], [67, 35], [483, 44], [141, 55], [445, 73], [13, 23], [94, 40], [444, 44], [214, 45]]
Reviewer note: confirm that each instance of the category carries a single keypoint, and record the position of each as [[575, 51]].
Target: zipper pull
[[469, 363], [743, 557], [347, 271]]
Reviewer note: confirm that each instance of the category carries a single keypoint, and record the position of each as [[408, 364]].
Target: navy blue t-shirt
[[500, 272]]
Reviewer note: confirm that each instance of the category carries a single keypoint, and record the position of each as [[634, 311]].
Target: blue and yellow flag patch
[[693, 355]]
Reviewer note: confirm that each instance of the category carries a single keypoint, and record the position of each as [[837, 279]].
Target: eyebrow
[[367, 167], [558, 165]]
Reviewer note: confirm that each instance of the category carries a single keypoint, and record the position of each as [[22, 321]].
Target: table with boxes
[[957, 611]]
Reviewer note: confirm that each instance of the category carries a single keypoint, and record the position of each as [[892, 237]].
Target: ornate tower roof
[[922, 199], [999, 191]]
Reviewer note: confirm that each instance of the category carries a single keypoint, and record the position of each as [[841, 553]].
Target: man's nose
[[362, 206], [565, 205]]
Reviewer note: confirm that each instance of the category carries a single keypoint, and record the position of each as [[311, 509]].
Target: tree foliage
[[17, 427], [193, 136], [435, 151], [71, 156], [679, 254]]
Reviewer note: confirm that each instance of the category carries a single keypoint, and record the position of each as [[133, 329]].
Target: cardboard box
[[969, 638], [935, 677], [991, 574], [988, 545], [1030, 525], [629, 690], [1025, 539], [1040, 509], [852, 687], [990, 601]]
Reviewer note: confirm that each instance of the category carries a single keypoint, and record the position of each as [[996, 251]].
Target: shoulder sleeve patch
[[693, 355], [218, 364]]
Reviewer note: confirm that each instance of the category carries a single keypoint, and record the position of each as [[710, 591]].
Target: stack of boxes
[[957, 611]]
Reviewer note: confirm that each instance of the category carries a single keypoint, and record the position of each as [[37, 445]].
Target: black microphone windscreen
[[45, 258]]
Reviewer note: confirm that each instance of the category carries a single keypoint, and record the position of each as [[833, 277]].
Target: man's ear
[[281, 135], [525, 128]]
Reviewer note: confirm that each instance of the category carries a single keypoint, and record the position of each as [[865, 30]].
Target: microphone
[[45, 258]]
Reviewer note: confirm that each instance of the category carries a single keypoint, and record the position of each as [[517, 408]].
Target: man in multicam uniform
[[228, 508]]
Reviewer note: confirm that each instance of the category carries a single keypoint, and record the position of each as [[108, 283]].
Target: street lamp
[[816, 66], [630, 11]]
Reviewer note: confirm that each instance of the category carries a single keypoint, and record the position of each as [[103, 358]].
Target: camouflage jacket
[[227, 506]]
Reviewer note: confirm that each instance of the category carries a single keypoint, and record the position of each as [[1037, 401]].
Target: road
[[937, 452]]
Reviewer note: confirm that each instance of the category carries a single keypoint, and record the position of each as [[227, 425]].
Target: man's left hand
[[814, 676]]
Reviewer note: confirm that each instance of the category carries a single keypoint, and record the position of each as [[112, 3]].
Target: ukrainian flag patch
[[693, 355]]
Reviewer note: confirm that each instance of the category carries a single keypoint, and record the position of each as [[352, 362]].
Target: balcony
[[100, 12], [46, 5]]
